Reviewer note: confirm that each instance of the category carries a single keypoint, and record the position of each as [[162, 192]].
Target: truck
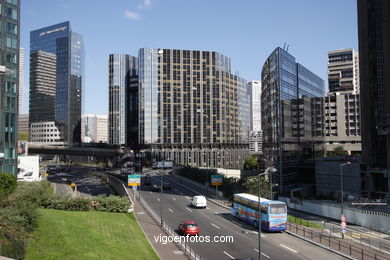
[[163, 165], [28, 168]]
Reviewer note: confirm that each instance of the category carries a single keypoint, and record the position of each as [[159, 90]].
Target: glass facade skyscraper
[[68, 46], [9, 61], [192, 109], [121, 68], [292, 115]]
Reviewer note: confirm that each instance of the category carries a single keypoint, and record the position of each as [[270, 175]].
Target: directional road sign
[[133, 180], [216, 180]]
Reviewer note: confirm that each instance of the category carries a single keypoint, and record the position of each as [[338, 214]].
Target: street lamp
[[161, 198], [342, 192], [269, 170]]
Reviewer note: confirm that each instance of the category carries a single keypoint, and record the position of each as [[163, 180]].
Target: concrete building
[[24, 123], [192, 109], [374, 54], [121, 68], [9, 76], [68, 47], [46, 133], [21, 80], [343, 71], [291, 117], [42, 86], [255, 136], [94, 128]]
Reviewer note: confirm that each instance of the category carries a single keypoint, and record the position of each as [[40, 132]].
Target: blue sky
[[247, 31]]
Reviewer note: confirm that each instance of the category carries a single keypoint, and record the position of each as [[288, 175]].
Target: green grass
[[303, 222], [88, 235]]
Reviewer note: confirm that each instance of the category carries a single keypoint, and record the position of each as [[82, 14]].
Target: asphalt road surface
[[216, 221]]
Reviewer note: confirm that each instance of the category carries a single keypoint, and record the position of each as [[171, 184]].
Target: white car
[[199, 202]]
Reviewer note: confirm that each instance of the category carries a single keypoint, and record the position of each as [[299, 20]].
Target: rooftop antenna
[[284, 46], [287, 47]]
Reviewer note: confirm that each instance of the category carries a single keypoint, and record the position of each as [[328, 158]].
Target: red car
[[188, 227]]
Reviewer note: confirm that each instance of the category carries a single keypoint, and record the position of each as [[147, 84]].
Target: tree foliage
[[251, 185], [251, 163], [337, 152], [7, 185]]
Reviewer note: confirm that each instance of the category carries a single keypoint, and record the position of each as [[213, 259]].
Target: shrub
[[111, 203], [30, 193], [7, 184], [71, 204]]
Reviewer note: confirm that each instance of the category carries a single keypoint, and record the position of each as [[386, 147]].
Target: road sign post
[[343, 219], [216, 180]]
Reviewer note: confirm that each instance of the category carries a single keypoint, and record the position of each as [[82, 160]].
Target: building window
[[11, 13]]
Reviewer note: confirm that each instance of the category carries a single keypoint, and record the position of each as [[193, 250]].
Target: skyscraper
[[193, 110], [121, 68], [343, 71], [374, 53], [94, 128], [292, 115], [255, 137], [68, 47], [342, 103], [42, 86], [21, 80], [9, 75]]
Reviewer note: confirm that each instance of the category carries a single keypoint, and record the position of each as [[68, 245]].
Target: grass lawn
[[303, 222], [88, 235]]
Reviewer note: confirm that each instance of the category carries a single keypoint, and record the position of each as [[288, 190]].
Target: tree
[[251, 163], [251, 185], [7, 184], [23, 136], [337, 152]]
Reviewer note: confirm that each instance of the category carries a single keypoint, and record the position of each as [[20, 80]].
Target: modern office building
[[342, 104], [23, 122], [343, 71], [21, 80], [192, 109], [68, 47], [9, 76], [255, 136], [374, 55], [94, 128], [43, 71], [292, 116], [132, 104], [342, 122], [121, 68], [46, 133]]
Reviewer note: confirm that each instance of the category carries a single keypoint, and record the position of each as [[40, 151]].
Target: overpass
[[76, 151]]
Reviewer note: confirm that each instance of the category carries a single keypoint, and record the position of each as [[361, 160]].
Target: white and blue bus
[[273, 212]]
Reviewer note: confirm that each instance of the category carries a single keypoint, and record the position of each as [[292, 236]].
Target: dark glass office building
[[9, 63], [374, 53], [68, 46], [292, 116]]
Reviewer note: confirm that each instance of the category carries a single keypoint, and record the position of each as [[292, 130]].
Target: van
[[199, 202]]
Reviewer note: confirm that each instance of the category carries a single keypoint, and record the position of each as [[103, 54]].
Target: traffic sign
[[343, 218], [133, 180], [216, 180]]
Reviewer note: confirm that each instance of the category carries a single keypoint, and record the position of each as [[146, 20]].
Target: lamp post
[[342, 191], [269, 170], [161, 197]]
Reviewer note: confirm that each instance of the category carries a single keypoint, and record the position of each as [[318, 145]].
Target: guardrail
[[335, 243], [181, 244]]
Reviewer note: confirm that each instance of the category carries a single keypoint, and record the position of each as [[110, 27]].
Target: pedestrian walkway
[[168, 251]]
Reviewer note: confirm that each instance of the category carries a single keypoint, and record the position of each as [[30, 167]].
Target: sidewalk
[[151, 229]]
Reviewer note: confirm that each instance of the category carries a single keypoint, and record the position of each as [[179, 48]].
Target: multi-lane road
[[216, 221]]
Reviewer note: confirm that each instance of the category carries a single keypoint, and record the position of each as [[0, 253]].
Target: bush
[[25, 216], [71, 204], [7, 184], [111, 203], [30, 193]]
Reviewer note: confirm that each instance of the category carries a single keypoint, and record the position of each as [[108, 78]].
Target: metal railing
[[342, 245], [181, 244]]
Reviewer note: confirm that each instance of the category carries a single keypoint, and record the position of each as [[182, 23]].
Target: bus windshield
[[277, 209]]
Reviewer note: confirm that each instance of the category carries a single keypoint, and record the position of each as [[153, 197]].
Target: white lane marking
[[174, 198], [158, 199], [262, 253], [231, 257], [292, 250], [214, 225], [207, 208], [255, 232], [189, 209], [170, 210], [188, 197]]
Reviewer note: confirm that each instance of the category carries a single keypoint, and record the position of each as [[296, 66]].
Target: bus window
[[278, 209]]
